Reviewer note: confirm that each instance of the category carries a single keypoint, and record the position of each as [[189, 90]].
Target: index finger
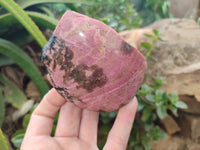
[[42, 118], [120, 132]]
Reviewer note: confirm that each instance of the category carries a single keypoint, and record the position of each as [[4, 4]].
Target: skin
[[76, 128]]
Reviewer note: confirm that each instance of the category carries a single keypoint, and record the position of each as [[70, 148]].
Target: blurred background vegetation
[[24, 27]]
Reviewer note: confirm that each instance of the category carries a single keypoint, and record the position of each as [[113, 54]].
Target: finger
[[69, 121], [120, 132], [89, 125], [42, 118]]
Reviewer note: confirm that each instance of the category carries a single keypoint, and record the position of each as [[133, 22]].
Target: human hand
[[76, 128]]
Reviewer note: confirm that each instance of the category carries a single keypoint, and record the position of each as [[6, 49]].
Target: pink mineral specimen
[[90, 65]]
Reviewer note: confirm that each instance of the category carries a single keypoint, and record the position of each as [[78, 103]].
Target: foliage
[[153, 103], [150, 46], [25, 20], [152, 10], [28, 3], [12, 93], [3, 142], [25, 62], [123, 14], [119, 14], [5, 61], [18, 136], [42, 20]]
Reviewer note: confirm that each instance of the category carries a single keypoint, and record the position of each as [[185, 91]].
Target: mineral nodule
[[90, 65]]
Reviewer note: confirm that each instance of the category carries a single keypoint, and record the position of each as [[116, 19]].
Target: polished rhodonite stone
[[90, 65]]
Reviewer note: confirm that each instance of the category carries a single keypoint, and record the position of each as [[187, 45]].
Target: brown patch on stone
[[64, 91], [126, 48], [96, 79], [56, 53], [54, 64], [47, 60], [69, 54]]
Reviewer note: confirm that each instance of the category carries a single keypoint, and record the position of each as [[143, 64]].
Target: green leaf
[[42, 20], [26, 120], [138, 147], [21, 40], [162, 135], [161, 39], [12, 93], [156, 134], [146, 45], [4, 61], [159, 95], [33, 108], [47, 11], [198, 21], [25, 62], [148, 126], [147, 144], [27, 3], [60, 8], [156, 32], [141, 103], [164, 97], [149, 35], [161, 112], [53, 131], [25, 20], [174, 98], [56, 118], [150, 97], [18, 137], [145, 89], [2, 108], [181, 104], [146, 114], [165, 8], [3, 142], [174, 110], [159, 81]]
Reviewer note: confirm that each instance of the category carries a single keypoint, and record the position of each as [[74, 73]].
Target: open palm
[[76, 128]]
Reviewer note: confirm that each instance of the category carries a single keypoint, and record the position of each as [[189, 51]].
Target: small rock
[[181, 47], [32, 92], [170, 125], [188, 78], [136, 37], [169, 143], [14, 74], [190, 125], [192, 103]]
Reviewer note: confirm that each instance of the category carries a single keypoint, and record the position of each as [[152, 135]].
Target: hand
[[76, 128]]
